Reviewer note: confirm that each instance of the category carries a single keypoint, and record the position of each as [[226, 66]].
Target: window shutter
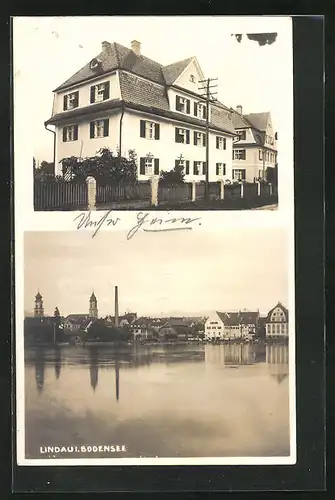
[[195, 138], [75, 135], [76, 100], [156, 166], [194, 168], [204, 140], [157, 127], [243, 175], [65, 103], [142, 166], [276, 136], [187, 136], [195, 109], [106, 127], [177, 103], [217, 142], [243, 154], [204, 168], [224, 143], [177, 138], [204, 113], [187, 167], [224, 169], [188, 106], [92, 94], [217, 169], [92, 130], [64, 134], [106, 91], [142, 128]]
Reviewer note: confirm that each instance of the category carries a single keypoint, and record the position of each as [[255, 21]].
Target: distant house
[[123, 320], [177, 332], [231, 325], [70, 325], [276, 325], [144, 327]]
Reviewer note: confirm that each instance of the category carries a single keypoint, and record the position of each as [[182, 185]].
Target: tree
[[45, 171], [105, 166], [175, 176], [56, 312]]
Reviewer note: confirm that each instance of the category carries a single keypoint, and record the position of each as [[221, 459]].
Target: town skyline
[[63, 37], [158, 275]]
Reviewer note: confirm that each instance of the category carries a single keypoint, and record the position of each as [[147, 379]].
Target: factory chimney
[[116, 307]]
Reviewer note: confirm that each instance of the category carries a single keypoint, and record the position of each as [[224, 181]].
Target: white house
[[276, 324], [255, 153], [123, 100], [231, 325]]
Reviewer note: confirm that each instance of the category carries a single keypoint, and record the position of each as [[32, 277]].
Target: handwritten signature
[[144, 221]]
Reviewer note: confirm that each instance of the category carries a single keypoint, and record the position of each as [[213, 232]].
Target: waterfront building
[[276, 324]]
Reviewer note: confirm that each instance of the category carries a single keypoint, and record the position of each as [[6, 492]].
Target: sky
[[48, 50], [158, 275]]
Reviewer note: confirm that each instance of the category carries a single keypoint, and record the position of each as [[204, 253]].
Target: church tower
[[93, 313], [38, 309]]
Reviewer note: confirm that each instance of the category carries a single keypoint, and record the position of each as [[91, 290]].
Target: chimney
[[239, 109], [105, 46], [116, 307], [136, 47]]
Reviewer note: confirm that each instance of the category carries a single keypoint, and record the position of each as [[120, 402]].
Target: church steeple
[[93, 311], [38, 309]]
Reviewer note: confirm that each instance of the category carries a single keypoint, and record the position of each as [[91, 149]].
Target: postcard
[[154, 241]]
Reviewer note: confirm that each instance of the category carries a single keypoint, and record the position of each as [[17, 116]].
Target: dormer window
[[241, 134], [71, 101], [183, 105], [99, 92]]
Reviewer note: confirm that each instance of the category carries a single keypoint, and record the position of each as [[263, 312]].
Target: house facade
[[231, 325], [124, 101], [255, 151], [276, 325]]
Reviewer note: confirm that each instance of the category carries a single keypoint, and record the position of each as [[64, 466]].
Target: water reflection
[[39, 369], [277, 357], [94, 366], [58, 361], [235, 354]]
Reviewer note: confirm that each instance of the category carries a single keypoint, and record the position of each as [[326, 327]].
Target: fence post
[[270, 189], [221, 189], [258, 188], [154, 191], [242, 190], [194, 191], [91, 192]]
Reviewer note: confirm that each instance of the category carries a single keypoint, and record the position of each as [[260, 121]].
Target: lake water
[[166, 401]]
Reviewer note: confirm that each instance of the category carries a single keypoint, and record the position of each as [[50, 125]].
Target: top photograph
[[156, 123]]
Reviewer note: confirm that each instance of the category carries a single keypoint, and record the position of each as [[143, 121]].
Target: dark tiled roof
[[249, 318], [239, 120], [258, 120], [172, 71], [232, 319], [86, 110], [139, 91], [77, 318]]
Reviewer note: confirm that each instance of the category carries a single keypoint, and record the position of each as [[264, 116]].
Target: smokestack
[[116, 307], [239, 109], [136, 47]]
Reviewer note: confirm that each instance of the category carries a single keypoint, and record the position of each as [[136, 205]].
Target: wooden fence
[[59, 195], [177, 192], [114, 193]]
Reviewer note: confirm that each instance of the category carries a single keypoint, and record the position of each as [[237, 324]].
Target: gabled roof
[[258, 120], [280, 305], [172, 71], [77, 318], [249, 318]]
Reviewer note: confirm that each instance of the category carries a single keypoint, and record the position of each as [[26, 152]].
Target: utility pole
[[208, 94]]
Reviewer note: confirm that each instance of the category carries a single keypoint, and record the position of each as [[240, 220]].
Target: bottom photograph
[[168, 348]]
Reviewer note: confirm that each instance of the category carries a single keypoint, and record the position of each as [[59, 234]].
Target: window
[[70, 133], [199, 139], [149, 166], [192, 78], [183, 104], [239, 154], [221, 143], [200, 110], [241, 134], [99, 128], [71, 101], [267, 156], [260, 154], [220, 169], [182, 135], [149, 130], [239, 174], [199, 168], [99, 92], [185, 164]]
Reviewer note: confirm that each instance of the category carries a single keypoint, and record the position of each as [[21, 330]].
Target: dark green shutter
[[243, 175], [205, 113], [233, 155], [187, 136], [76, 99], [177, 137], [187, 167], [195, 168], [64, 134], [106, 91], [157, 131], [195, 109], [65, 103], [204, 168], [188, 106], [92, 94], [106, 127], [224, 143], [276, 136], [142, 166], [243, 155], [142, 128], [217, 142], [204, 141], [224, 169], [156, 166], [176, 163], [91, 130], [217, 169], [195, 138], [75, 134], [177, 103]]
